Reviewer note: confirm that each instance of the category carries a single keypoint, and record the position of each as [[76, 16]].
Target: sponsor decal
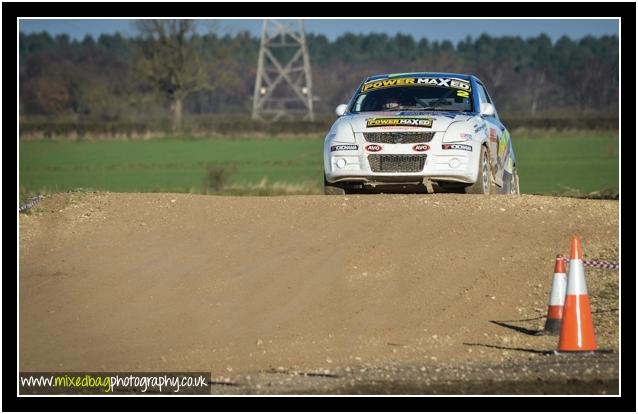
[[479, 128], [374, 148], [420, 147], [344, 147], [440, 82], [444, 82], [429, 113], [503, 147], [492, 135], [457, 147], [502, 144], [412, 122], [387, 83], [464, 136], [390, 128]]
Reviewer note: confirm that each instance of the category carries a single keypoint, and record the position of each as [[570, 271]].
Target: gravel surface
[[400, 294], [548, 374]]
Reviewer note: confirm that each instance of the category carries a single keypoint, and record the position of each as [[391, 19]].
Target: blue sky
[[438, 29]]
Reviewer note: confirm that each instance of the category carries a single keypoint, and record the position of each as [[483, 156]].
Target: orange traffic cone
[[556, 297], [577, 330]]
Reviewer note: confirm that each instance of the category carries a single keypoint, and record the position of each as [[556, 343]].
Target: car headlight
[[341, 132], [458, 132]]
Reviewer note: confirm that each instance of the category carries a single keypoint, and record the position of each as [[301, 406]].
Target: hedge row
[[242, 126], [562, 123]]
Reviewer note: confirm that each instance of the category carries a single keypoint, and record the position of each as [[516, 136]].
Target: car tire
[[484, 183], [332, 189]]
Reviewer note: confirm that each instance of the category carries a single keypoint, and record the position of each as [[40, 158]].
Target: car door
[[498, 137]]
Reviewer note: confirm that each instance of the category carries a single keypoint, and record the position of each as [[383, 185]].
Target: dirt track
[[312, 284]]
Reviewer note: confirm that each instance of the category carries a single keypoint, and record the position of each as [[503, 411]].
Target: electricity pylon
[[283, 89]]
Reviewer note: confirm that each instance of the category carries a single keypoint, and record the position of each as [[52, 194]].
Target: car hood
[[440, 120]]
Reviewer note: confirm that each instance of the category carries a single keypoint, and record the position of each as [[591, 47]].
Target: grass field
[[562, 163]]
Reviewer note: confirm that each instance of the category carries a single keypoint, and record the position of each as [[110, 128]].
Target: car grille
[[396, 163], [398, 137]]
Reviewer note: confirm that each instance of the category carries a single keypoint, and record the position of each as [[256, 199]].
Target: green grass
[[546, 165], [166, 165], [567, 164]]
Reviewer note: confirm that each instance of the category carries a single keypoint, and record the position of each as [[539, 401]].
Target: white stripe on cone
[[576, 281], [559, 287]]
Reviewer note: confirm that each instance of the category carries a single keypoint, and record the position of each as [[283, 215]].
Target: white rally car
[[419, 132]]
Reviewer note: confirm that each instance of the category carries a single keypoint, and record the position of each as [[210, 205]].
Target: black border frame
[[627, 401]]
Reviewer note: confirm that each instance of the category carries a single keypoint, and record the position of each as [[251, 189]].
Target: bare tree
[[536, 85], [168, 57]]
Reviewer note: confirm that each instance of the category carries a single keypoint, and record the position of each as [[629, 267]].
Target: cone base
[[580, 351], [577, 350], [552, 326]]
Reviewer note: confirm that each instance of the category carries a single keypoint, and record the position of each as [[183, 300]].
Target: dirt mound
[[160, 282]]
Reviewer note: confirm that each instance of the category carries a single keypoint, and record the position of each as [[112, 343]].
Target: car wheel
[[332, 189], [483, 183]]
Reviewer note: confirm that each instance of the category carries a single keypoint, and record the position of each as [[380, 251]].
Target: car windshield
[[415, 97]]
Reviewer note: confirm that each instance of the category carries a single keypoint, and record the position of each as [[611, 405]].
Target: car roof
[[421, 75]]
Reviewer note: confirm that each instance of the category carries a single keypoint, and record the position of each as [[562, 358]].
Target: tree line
[[170, 68]]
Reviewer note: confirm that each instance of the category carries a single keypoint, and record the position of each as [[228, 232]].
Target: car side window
[[483, 94], [484, 97]]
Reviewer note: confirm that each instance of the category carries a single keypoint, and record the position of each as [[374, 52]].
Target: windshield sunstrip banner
[[410, 122], [441, 82]]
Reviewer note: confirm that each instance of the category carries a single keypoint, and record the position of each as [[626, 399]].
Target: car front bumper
[[452, 163]]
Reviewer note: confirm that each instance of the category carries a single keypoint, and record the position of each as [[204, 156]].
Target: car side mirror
[[487, 109], [341, 109]]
